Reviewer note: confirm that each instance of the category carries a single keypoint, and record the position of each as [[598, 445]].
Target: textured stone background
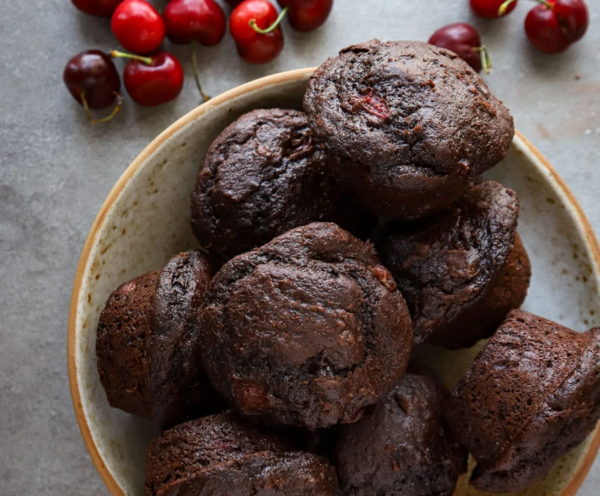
[[55, 171]]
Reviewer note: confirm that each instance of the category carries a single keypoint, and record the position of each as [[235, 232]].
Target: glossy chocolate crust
[[532, 395], [262, 176], [307, 330], [409, 122], [402, 448], [147, 343], [222, 455], [451, 269]]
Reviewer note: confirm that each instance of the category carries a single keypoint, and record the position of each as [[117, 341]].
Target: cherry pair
[[255, 25], [94, 82], [552, 26]]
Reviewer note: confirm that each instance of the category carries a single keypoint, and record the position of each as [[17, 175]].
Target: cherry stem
[[545, 3], [116, 54], [272, 27], [503, 8], [195, 66], [161, 6], [486, 61], [88, 112]]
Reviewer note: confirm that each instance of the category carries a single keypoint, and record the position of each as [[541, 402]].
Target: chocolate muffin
[[147, 344], [408, 122], [307, 330], [221, 455], [462, 271], [532, 394], [402, 448], [263, 176]]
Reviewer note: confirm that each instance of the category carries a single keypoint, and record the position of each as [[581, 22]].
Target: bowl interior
[[146, 220]]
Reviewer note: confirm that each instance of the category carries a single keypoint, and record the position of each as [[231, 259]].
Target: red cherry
[[572, 16], [102, 8], [464, 40], [490, 9], [307, 15], [253, 46], [195, 20], [152, 80], [554, 25], [138, 26], [93, 80]]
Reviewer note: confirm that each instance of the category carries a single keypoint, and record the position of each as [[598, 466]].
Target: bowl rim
[[279, 78]]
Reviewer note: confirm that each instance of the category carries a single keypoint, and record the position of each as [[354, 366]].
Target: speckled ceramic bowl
[[146, 219]]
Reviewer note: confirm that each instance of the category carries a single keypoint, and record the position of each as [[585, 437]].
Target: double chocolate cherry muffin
[[531, 395], [408, 123], [307, 330], [462, 271], [222, 455], [262, 176], [147, 343], [402, 447]]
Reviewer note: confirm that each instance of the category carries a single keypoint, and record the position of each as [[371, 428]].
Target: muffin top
[[176, 378], [264, 175], [407, 105], [307, 330], [531, 395], [123, 329], [402, 447], [221, 454], [444, 266]]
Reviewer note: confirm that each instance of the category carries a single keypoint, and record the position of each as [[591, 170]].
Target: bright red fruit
[[195, 20], [153, 80], [554, 25], [255, 47], [307, 15], [490, 9], [138, 26], [102, 8], [464, 40], [93, 80]]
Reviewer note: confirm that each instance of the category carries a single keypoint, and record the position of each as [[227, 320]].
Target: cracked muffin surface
[[462, 271], [307, 330], [264, 175], [409, 123], [222, 455], [402, 447], [532, 394]]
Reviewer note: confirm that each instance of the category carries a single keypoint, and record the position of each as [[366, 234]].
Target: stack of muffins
[[278, 358]]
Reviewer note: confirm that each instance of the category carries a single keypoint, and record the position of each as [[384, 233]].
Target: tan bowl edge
[[282, 77]]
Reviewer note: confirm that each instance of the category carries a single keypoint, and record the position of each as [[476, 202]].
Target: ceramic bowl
[[146, 219]]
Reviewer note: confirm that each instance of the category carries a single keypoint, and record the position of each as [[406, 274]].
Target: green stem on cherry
[[545, 3], [272, 27], [195, 67], [486, 61], [504, 7], [88, 112], [161, 6], [117, 54]]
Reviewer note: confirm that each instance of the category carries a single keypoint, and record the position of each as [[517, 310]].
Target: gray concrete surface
[[55, 171]]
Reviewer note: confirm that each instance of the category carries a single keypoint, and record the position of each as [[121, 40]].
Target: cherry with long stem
[[195, 68]]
